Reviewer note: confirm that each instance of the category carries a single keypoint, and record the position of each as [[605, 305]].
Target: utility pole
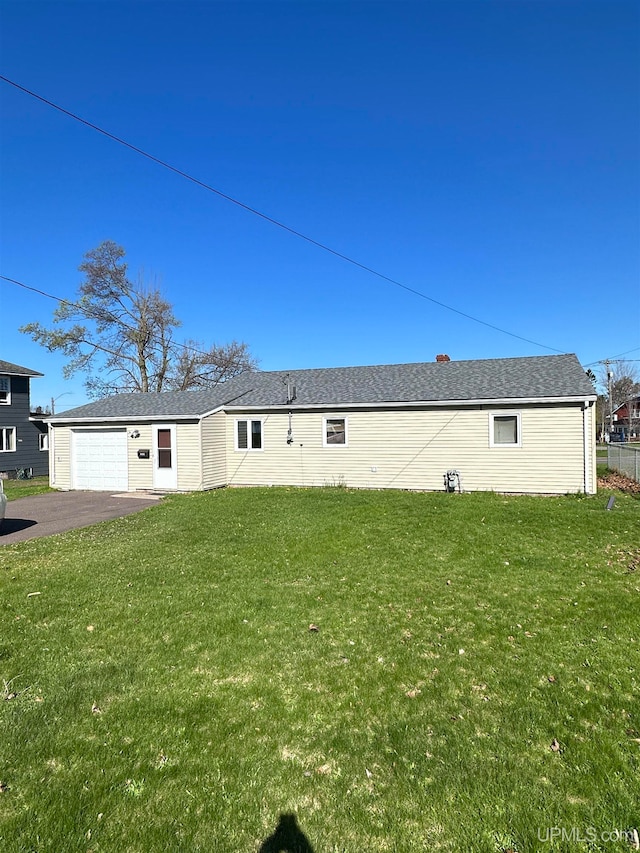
[[53, 400], [610, 390]]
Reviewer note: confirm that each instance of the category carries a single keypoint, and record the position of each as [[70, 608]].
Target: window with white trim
[[335, 432], [504, 429], [43, 441], [7, 439], [5, 391], [249, 435]]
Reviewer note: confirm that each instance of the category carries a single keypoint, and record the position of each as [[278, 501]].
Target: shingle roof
[[7, 367], [555, 376]]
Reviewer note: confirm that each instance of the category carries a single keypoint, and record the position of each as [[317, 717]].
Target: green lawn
[[469, 681], [15, 489]]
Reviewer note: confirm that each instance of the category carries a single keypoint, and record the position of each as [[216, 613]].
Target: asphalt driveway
[[56, 512]]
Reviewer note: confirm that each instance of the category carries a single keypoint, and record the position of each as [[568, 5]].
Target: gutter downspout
[[586, 447], [200, 454], [52, 456]]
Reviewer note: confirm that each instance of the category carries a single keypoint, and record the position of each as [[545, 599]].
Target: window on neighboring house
[[43, 441], [5, 391], [335, 432], [504, 429], [248, 435], [7, 439]]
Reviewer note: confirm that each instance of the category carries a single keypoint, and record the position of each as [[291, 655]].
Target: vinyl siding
[[60, 457], [214, 468], [413, 450], [592, 470], [188, 455], [140, 470]]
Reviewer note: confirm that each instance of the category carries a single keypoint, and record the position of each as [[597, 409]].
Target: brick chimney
[[442, 358]]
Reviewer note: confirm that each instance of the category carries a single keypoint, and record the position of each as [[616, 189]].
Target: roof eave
[[485, 401], [281, 407], [122, 419]]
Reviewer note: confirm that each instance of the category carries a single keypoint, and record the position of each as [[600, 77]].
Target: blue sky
[[483, 153]]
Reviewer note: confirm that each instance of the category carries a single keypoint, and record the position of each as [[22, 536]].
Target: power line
[[270, 219], [93, 315], [86, 310], [615, 357]]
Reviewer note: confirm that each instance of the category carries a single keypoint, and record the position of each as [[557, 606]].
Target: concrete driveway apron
[[57, 512]]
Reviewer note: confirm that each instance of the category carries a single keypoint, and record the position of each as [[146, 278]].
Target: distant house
[[626, 420], [24, 439], [509, 425]]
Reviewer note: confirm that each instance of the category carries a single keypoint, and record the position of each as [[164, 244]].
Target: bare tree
[[121, 335], [624, 388], [197, 367]]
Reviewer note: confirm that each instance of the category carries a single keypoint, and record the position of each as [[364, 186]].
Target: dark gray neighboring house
[[24, 438]]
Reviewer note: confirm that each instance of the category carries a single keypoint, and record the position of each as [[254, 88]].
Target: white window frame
[[5, 388], [249, 422], [326, 418], [505, 414], [43, 441], [6, 431]]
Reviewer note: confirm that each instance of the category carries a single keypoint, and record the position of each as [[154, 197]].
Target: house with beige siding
[[519, 425]]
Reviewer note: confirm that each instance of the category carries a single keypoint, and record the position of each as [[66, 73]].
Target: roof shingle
[[555, 376], [7, 367]]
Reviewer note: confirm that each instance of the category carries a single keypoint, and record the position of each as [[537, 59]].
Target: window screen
[[335, 431], [505, 429]]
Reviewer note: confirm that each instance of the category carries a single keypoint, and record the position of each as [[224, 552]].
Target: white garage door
[[100, 460]]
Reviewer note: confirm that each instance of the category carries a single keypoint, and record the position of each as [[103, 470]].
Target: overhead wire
[[95, 316], [294, 232], [615, 357]]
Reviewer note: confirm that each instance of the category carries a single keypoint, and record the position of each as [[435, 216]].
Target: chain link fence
[[625, 459]]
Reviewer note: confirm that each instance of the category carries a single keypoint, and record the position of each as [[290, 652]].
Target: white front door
[[165, 469]]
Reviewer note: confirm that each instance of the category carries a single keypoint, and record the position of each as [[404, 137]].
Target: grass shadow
[[287, 838]]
